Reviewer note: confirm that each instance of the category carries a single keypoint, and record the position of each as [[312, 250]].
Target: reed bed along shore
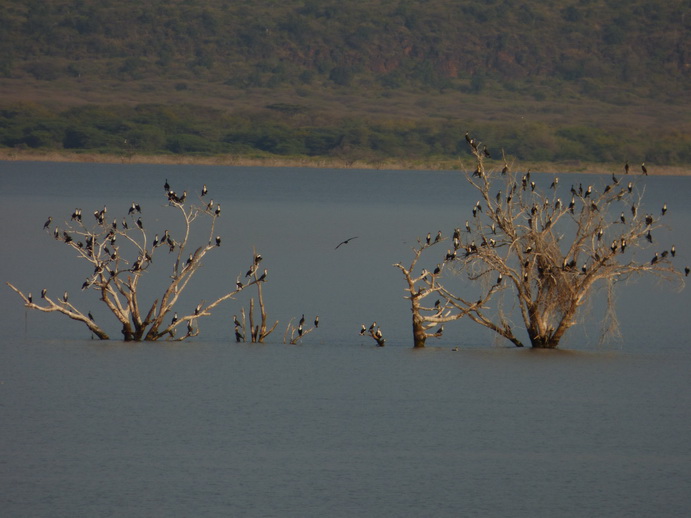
[[441, 164]]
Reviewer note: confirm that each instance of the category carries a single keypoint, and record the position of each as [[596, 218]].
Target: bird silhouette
[[345, 242]]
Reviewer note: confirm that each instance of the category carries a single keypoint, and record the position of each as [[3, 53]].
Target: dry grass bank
[[395, 164]]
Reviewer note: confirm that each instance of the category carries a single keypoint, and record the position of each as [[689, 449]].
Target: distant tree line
[[600, 46], [291, 130]]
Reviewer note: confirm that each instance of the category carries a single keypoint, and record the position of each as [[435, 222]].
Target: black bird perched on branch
[[346, 241], [140, 224], [316, 321], [46, 225], [204, 190], [644, 169], [263, 276], [664, 209], [363, 330], [686, 271], [236, 321]]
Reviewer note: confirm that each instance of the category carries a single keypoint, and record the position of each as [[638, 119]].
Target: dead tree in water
[[295, 333], [374, 332], [428, 320], [120, 252], [258, 333], [547, 255]]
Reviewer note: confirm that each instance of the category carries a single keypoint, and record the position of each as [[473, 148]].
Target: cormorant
[[630, 186], [363, 330], [429, 238], [664, 209], [438, 237], [686, 271], [372, 327], [140, 224], [91, 317], [263, 275], [204, 190], [197, 309], [43, 293], [174, 319], [218, 240], [316, 321], [302, 320], [554, 183], [626, 168], [300, 330], [346, 241], [155, 243], [649, 237], [64, 297], [218, 210], [644, 169], [485, 151], [505, 169], [46, 225], [166, 186], [622, 218], [673, 251], [437, 270], [30, 298], [236, 321]]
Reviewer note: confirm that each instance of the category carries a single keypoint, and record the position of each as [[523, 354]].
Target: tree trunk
[[543, 342], [419, 336]]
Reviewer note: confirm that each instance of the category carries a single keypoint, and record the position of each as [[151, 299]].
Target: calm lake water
[[333, 426]]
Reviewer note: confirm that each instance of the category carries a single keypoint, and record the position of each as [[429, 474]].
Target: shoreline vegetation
[[441, 164]]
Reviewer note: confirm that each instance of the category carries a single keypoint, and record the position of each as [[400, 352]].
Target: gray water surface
[[333, 426]]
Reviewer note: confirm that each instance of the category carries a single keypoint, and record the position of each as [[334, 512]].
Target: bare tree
[[295, 333], [374, 332], [428, 320], [259, 332], [104, 245], [546, 256]]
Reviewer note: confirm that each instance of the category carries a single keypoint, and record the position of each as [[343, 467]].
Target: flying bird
[[345, 242]]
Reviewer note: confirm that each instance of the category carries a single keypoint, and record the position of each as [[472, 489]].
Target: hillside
[[586, 79]]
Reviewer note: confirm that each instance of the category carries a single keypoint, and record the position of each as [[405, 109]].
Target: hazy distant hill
[[314, 63], [642, 46]]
